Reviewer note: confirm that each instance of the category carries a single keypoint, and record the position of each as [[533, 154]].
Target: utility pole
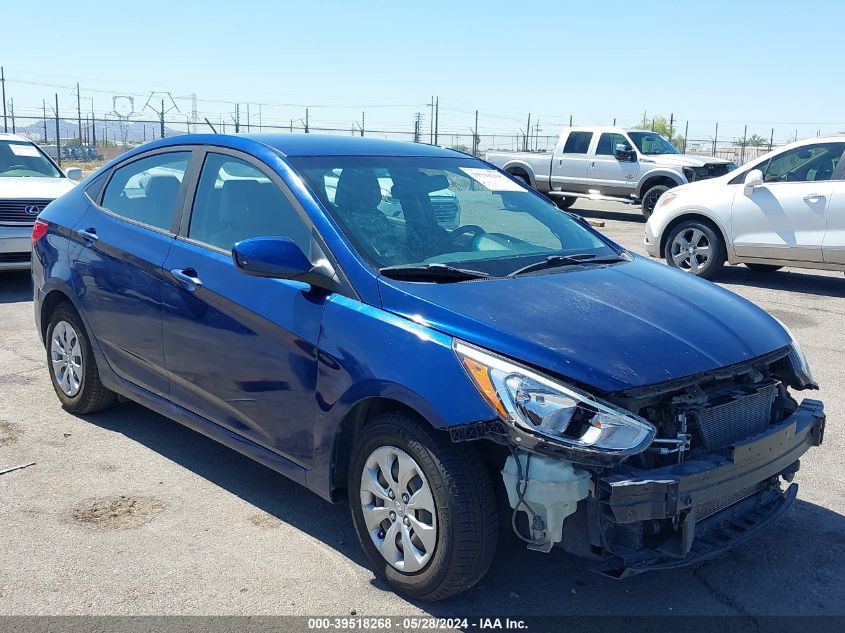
[[744, 135], [570, 120], [686, 133], [362, 123], [671, 124], [58, 140], [436, 120], [44, 106], [431, 123], [79, 112], [237, 118], [475, 138], [3, 84], [307, 131], [93, 126], [162, 118], [527, 133], [715, 138], [417, 127], [161, 112], [772, 139]]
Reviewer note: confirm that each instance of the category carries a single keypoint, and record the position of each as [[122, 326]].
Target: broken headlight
[[798, 360], [557, 412]]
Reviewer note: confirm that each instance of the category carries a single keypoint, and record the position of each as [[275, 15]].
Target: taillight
[[39, 230]]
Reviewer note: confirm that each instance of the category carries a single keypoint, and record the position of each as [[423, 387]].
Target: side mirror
[[624, 153], [275, 257], [74, 173], [280, 258], [753, 178]]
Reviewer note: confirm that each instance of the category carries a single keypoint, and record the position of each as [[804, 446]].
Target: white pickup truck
[[608, 163]]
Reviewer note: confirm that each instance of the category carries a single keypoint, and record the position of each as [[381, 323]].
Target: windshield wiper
[[578, 259], [432, 272]]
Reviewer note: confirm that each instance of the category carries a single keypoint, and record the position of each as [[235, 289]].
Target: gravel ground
[[128, 513]]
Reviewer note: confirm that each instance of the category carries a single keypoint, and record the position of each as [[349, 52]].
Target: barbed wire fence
[[67, 133]]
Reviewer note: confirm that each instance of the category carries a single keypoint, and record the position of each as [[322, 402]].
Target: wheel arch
[[349, 429], [697, 216], [49, 303], [521, 170], [668, 178]]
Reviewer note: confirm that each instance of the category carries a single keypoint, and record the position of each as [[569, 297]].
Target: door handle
[[813, 197], [188, 277], [89, 235]]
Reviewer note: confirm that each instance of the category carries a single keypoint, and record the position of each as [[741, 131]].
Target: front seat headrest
[[359, 188]]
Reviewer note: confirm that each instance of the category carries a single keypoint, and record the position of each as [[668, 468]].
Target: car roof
[[5, 136], [335, 145]]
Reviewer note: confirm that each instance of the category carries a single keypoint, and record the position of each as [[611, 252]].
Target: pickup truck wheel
[[763, 268], [696, 248], [73, 369], [650, 199], [424, 509], [563, 203]]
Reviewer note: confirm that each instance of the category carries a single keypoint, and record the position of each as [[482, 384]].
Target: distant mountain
[[132, 133]]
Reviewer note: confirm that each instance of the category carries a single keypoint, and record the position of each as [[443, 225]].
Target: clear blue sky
[[774, 64]]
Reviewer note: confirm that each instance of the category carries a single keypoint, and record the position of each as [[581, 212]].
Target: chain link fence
[[96, 139]]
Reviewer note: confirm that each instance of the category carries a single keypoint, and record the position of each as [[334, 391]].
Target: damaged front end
[[654, 477]]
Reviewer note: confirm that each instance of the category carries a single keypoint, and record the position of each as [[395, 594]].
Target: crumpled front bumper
[[736, 488]]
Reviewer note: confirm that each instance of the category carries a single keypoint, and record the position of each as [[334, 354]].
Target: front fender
[[365, 352], [659, 172]]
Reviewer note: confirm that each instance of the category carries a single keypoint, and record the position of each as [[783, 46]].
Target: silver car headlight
[[798, 360], [665, 199], [553, 410]]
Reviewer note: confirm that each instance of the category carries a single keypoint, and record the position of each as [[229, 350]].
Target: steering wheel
[[468, 229]]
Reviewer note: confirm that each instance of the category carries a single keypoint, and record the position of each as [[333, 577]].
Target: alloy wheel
[[691, 250], [398, 508], [66, 357]]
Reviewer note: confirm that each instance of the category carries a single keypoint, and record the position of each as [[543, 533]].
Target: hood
[[682, 160], [44, 188], [616, 327]]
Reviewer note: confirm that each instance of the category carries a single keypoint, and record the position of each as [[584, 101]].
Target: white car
[[29, 181], [786, 208]]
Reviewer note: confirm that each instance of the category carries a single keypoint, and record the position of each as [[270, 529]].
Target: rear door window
[[148, 190], [577, 143]]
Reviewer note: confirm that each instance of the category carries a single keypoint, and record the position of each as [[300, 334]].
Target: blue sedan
[[437, 376]]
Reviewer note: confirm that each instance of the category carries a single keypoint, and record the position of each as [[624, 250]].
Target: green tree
[[757, 141], [660, 124]]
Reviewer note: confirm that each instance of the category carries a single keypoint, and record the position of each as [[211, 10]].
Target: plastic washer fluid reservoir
[[554, 488]]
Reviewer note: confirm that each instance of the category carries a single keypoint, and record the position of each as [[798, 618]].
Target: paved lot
[[128, 513]]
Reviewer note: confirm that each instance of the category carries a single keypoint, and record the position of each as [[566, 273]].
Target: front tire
[[650, 198], [424, 510], [73, 368], [696, 248]]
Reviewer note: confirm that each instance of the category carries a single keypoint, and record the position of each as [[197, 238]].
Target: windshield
[[651, 143], [436, 212], [22, 159]]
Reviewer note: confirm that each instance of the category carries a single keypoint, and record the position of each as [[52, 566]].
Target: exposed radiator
[[723, 424]]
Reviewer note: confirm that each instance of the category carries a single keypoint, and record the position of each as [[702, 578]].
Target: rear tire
[[708, 253], [763, 268], [464, 520], [563, 203], [650, 198], [72, 366]]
